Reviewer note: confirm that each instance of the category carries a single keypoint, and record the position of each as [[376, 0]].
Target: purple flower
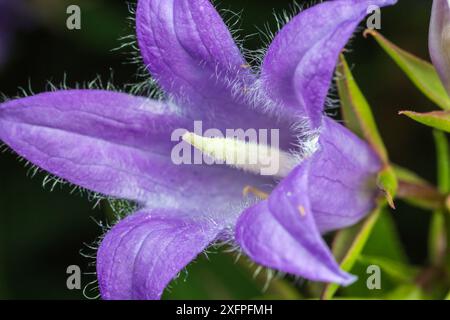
[[120, 145], [439, 40]]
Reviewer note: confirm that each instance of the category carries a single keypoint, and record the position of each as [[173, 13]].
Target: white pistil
[[248, 156]]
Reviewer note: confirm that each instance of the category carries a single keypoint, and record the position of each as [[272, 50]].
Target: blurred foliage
[[227, 276], [42, 232]]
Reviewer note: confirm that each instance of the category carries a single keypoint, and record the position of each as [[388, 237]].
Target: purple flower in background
[[120, 145]]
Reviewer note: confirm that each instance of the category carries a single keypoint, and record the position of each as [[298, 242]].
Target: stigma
[[261, 159]]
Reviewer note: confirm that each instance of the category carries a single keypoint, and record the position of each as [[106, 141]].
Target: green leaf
[[420, 72], [343, 240], [436, 119], [398, 271], [356, 110], [359, 235], [359, 118], [384, 240]]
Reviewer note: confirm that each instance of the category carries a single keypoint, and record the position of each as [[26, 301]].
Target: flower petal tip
[[347, 279]]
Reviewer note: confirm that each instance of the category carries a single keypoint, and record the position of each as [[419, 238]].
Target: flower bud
[[439, 40]]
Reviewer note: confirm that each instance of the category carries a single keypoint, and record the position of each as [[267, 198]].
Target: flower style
[[120, 145]]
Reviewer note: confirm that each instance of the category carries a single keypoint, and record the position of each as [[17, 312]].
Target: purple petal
[[189, 50], [299, 65], [118, 145], [266, 241], [144, 252], [93, 139], [439, 39], [342, 179]]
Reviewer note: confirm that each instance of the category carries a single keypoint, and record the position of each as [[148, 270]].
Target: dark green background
[[42, 232]]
